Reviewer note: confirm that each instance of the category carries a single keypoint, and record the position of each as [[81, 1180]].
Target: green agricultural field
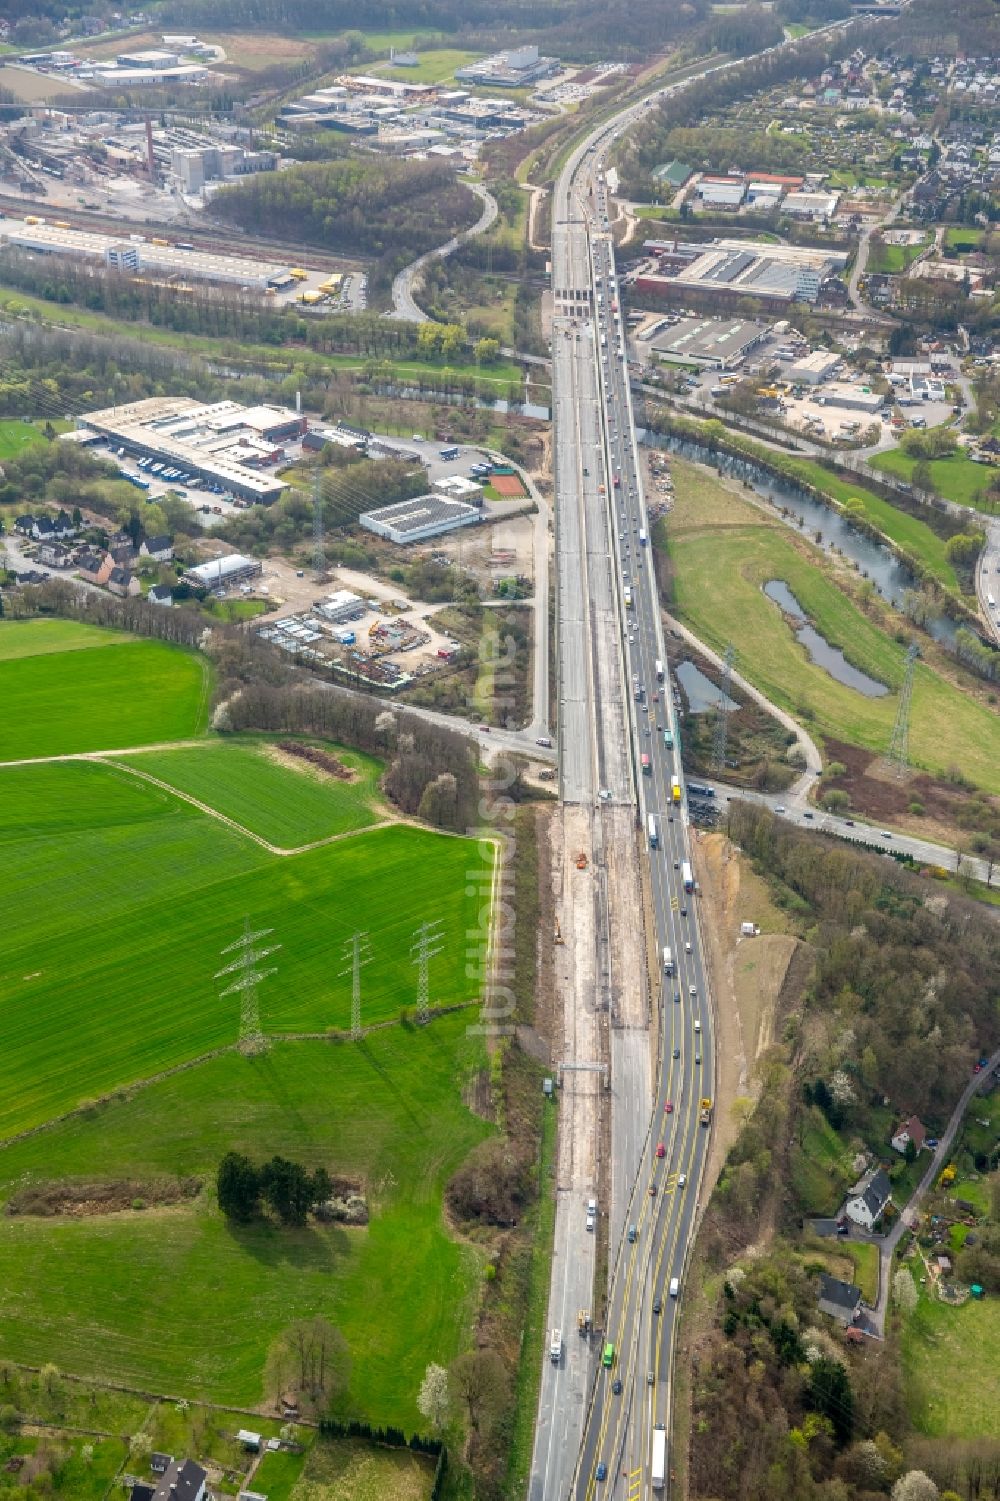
[[16, 436], [286, 801], [951, 1382], [956, 478], [113, 932], [79, 696], [203, 1300], [724, 550]]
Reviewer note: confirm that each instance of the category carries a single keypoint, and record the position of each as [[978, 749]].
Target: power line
[[899, 746], [357, 953], [721, 737], [319, 551], [427, 935], [248, 979]]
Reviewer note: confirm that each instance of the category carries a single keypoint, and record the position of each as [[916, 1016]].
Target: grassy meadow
[[951, 1389], [723, 551], [285, 801], [64, 692], [16, 436], [203, 1299]]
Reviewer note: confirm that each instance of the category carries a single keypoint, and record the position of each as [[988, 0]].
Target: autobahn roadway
[[632, 1395], [596, 1423]]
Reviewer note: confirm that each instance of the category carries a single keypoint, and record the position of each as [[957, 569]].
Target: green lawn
[[956, 478], [964, 239], [277, 1474], [117, 912], [202, 1300], [951, 1381], [16, 436], [865, 1257], [288, 804], [892, 259], [64, 1470], [724, 551], [433, 67], [85, 696], [353, 1470]]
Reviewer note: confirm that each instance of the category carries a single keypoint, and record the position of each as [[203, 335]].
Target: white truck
[[658, 1471], [668, 961], [654, 838], [555, 1346], [659, 670]]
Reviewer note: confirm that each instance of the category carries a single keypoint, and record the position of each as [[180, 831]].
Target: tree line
[[286, 1188], [390, 210]]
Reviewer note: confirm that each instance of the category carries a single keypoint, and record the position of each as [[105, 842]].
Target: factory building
[[416, 520], [138, 254], [509, 70], [730, 269], [222, 444], [223, 573], [811, 205], [721, 192], [855, 398], [814, 368], [714, 343]]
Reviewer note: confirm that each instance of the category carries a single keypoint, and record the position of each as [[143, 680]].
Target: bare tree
[[478, 1380], [311, 1359]]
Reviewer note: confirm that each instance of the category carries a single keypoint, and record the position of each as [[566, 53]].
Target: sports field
[[724, 550], [286, 801], [125, 897], [202, 1300], [67, 688]]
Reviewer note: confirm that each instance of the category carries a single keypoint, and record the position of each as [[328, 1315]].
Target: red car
[[669, 1107], [661, 1150]]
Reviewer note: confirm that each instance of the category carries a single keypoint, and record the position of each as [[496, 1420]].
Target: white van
[[675, 1286], [697, 1025]]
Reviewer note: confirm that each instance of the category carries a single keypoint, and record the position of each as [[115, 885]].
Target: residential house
[[54, 554], [159, 1463], [911, 1130], [841, 1300], [46, 528], [867, 1204], [123, 583], [124, 555], [160, 549], [161, 594], [95, 567], [182, 1480]]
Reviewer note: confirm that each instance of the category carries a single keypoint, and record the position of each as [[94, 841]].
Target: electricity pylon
[[899, 746], [319, 534], [248, 978], [357, 953], [427, 935]]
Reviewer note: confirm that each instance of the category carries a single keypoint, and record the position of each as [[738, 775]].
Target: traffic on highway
[[625, 1450]]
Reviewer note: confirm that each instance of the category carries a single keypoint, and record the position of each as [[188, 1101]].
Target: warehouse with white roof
[[416, 520]]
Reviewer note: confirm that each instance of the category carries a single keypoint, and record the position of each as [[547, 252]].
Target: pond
[[875, 561], [830, 658], [700, 692]]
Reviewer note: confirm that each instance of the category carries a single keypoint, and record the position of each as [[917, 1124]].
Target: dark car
[[657, 1306], [616, 1386], [602, 1471]]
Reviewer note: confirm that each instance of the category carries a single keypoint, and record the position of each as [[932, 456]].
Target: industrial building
[[855, 398], [728, 269], [811, 205], [716, 343], [224, 573], [814, 368], [416, 520], [135, 254], [517, 69], [457, 487], [721, 192], [222, 444], [340, 606]]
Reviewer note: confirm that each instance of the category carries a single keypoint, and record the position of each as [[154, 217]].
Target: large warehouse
[[135, 253], [716, 343], [223, 573], [728, 269], [416, 520], [221, 443]]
